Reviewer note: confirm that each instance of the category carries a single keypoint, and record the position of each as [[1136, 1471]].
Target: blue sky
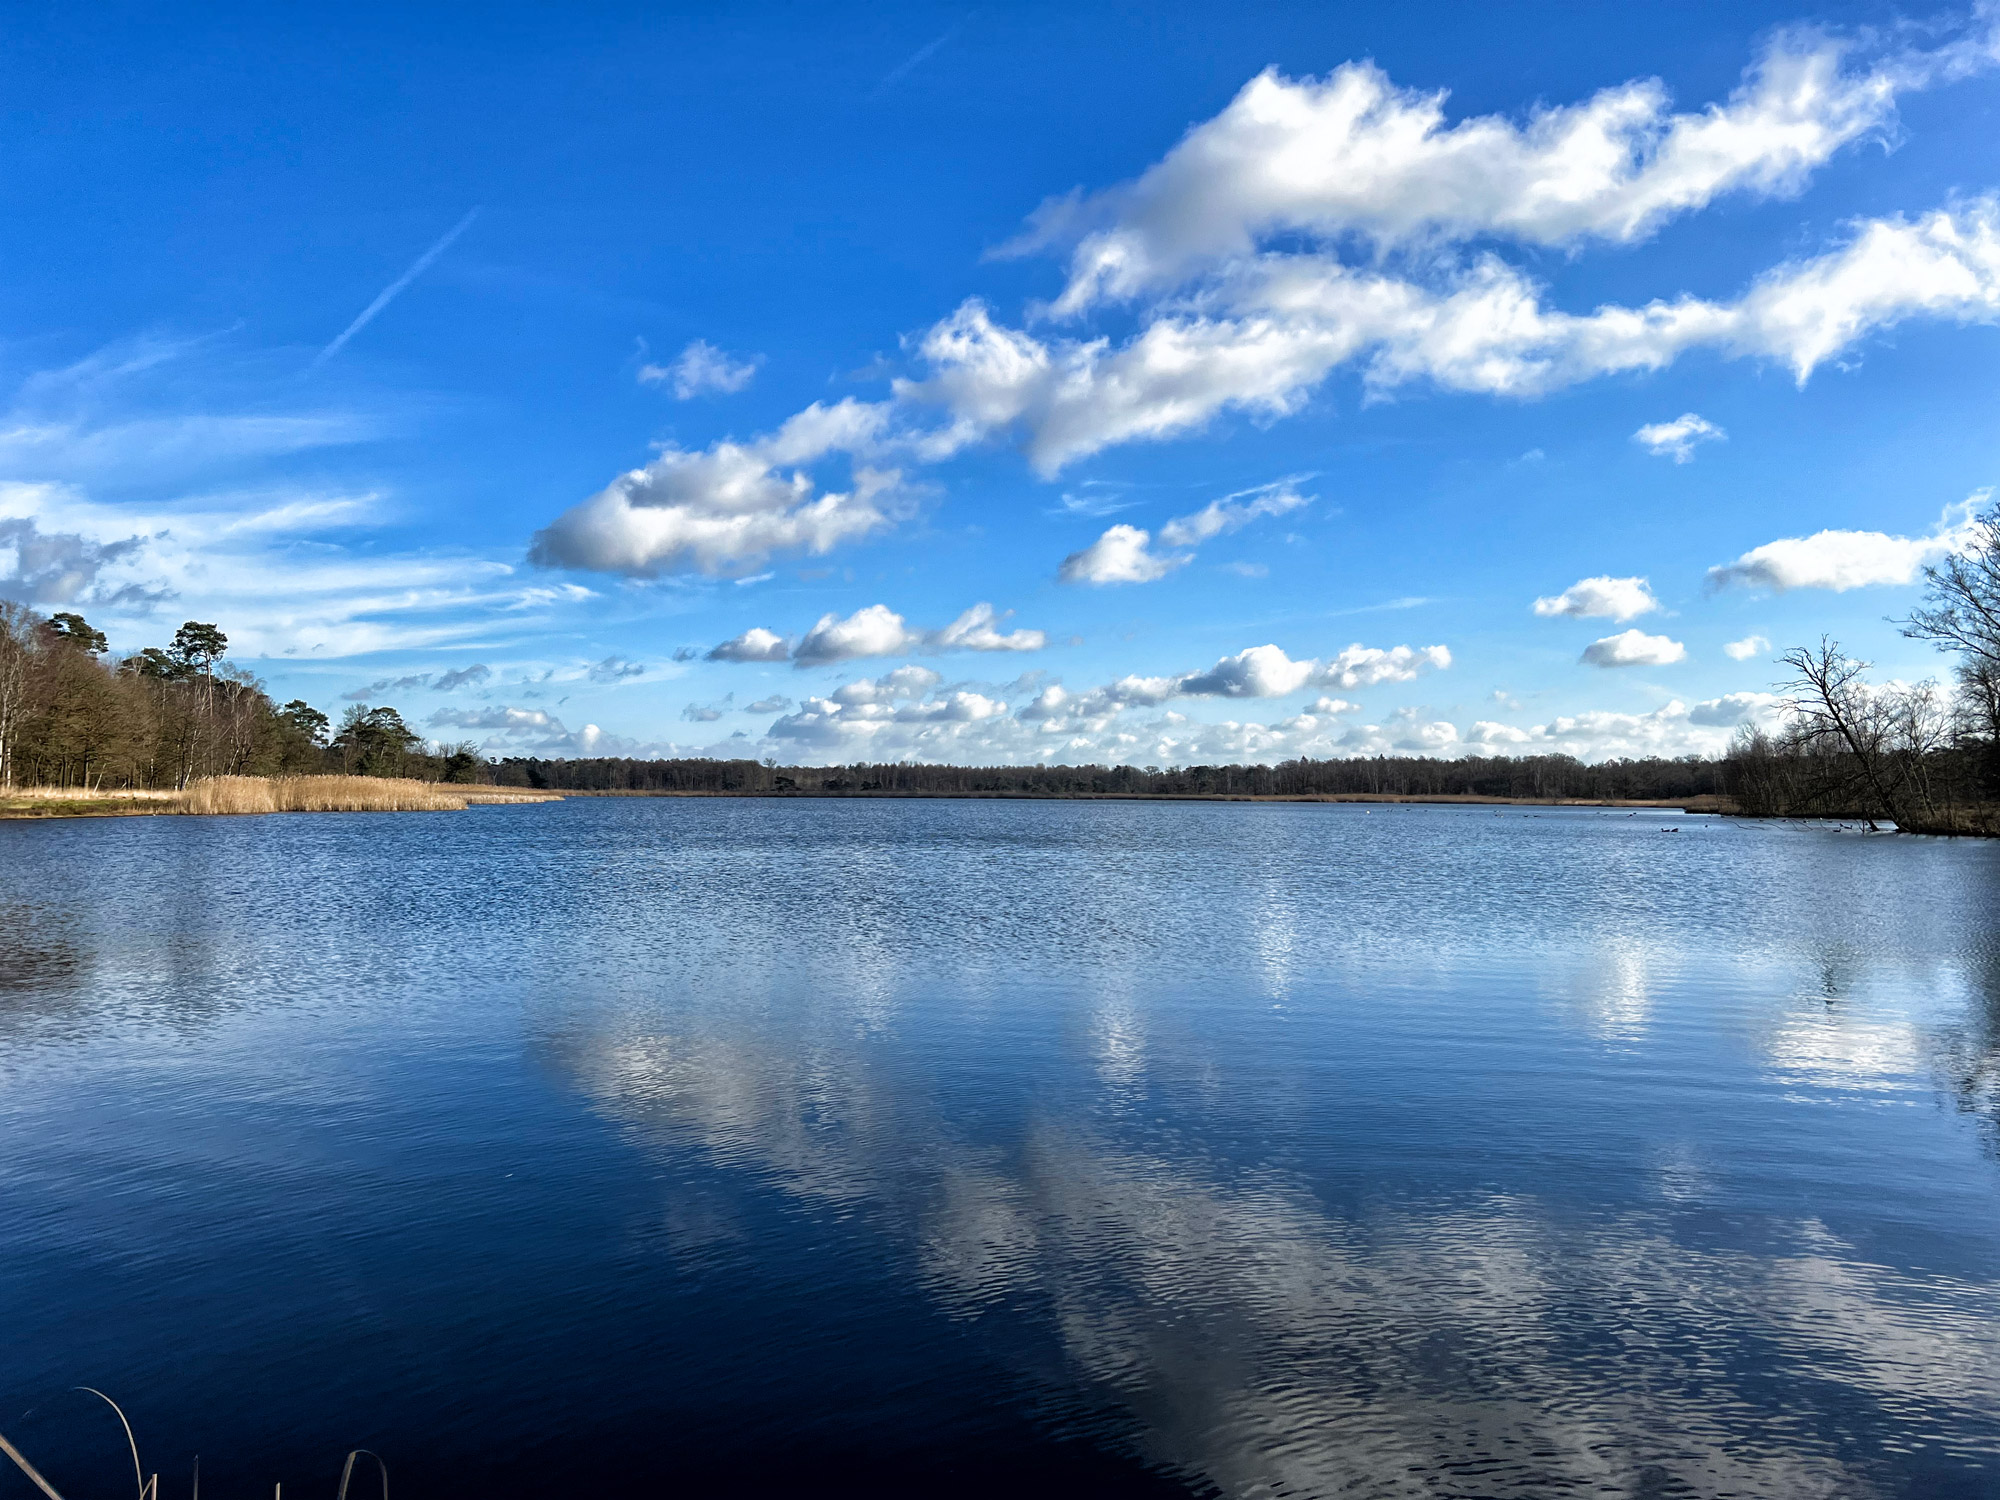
[[1158, 384]]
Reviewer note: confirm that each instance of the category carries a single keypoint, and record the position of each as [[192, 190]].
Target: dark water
[[657, 1147]]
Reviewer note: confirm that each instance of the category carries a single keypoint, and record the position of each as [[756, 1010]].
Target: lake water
[[967, 1148]]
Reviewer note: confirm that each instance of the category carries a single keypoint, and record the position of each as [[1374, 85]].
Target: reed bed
[[266, 794], [269, 794]]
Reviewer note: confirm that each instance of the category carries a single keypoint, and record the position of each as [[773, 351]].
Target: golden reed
[[271, 794]]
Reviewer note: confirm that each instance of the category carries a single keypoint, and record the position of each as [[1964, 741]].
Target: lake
[[982, 1148]]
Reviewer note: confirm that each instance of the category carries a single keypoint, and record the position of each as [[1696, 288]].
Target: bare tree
[[1961, 610], [1831, 704]]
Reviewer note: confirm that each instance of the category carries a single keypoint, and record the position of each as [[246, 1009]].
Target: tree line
[[1405, 776], [1924, 755], [72, 714]]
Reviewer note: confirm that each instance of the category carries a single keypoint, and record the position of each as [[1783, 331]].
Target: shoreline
[[1701, 803]]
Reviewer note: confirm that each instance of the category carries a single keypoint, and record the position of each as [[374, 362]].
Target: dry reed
[[268, 794]]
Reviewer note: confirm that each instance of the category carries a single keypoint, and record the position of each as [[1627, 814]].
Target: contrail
[[389, 292], [921, 55]]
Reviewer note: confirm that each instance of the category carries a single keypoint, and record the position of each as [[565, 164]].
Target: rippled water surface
[[623, 1146]]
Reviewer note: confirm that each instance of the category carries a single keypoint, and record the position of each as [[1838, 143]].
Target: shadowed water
[[986, 1148]]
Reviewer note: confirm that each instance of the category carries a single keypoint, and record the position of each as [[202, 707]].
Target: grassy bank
[[262, 794]]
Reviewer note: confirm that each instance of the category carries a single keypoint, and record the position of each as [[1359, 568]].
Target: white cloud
[[1605, 598], [777, 703], [1237, 238], [830, 724], [702, 367], [1353, 155], [615, 669], [1364, 666], [1233, 513], [1256, 672], [1634, 648], [1843, 560], [1749, 646], [1677, 439], [904, 683], [755, 644], [1732, 709], [725, 509], [1259, 672], [1126, 554], [1264, 334], [877, 630], [978, 630]]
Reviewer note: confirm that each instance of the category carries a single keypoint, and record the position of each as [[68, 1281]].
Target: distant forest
[[1924, 755], [1406, 776]]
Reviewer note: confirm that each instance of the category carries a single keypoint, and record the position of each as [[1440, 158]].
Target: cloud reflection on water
[[1267, 1343]]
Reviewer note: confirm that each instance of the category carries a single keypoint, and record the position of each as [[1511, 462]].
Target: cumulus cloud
[[412, 684], [1259, 672], [1355, 156], [705, 713], [1341, 223], [1256, 672], [1677, 439], [1634, 648], [1127, 554], [1123, 554], [1732, 709], [1749, 646], [777, 703], [1843, 560], [493, 718], [65, 567], [725, 509], [904, 682], [978, 629], [472, 676], [877, 630], [701, 367], [829, 722], [1264, 333], [534, 731], [1605, 598], [615, 669], [755, 644]]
